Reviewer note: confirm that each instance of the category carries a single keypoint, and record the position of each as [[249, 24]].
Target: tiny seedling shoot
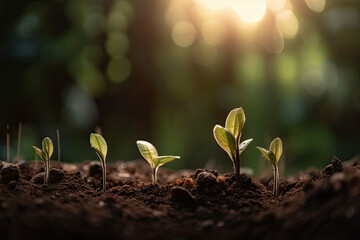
[[45, 155], [228, 137], [148, 151], [98, 143], [273, 155]]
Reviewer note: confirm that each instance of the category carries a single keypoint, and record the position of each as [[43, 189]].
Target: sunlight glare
[[249, 11], [276, 5]]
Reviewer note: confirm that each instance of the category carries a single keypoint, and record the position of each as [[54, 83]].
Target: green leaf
[[165, 159], [243, 145], [235, 122], [48, 147], [148, 151], [270, 156], [40, 152], [98, 143], [226, 140], [276, 148]]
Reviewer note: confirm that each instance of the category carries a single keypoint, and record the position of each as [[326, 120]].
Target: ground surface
[[185, 205]]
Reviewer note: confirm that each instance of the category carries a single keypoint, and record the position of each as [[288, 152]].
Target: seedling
[[98, 143], [45, 155], [148, 151], [228, 137], [273, 155]]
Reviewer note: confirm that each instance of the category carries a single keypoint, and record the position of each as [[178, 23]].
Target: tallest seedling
[[228, 137]]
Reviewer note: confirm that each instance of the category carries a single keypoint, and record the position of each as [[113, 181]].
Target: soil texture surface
[[200, 204]]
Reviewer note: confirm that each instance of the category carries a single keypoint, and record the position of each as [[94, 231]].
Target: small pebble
[[205, 180], [95, 169], [9, 173], [182, 196], [220, 224]]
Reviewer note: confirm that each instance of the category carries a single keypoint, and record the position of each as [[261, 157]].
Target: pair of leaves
[[98, 143], [148, 151], [228, 137], [274, 153], [47, 149]]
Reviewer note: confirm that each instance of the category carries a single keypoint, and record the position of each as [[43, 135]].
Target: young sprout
[[98, 143], [229, 137], [45, 155], [273, 155], [148, 151]]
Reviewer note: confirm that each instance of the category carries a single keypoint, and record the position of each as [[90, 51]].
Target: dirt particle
[[335, 166], [9, 173], [95, 169], [189, 183], [12, 185], [55, 176], [205, 180], [206, 224], [220, 224], [182, 196]]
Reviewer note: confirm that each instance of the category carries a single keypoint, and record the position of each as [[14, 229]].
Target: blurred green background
[[167, 71]]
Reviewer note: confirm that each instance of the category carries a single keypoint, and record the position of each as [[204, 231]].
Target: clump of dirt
[[184, 205]]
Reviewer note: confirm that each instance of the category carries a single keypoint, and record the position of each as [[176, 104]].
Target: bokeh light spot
[[276, 5], [287, 23], [273, 40], [116, 21], [118, 69], [184, 33], [316, 5], [93, 24], [117, 43]]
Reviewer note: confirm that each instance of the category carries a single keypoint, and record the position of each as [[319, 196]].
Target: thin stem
[[58, 143], [47, 171], [237, 157], [8, 142], [154, 174], [276, 181], [104, 174], [19, 141]]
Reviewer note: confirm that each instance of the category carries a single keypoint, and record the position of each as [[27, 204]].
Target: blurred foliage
[[167, 71]]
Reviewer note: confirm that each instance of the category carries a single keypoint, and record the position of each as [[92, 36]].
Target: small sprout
[[273, 155], [45, 155], [148, 151], [229, 137], [98, 143]]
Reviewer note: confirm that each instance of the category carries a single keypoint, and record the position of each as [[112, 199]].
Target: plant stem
[[237, 163], [154, 174], [8, 142], [276, 181], [104, 174], [47, 171]]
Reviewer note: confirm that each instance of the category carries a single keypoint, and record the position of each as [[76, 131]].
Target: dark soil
[[184, 205]]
